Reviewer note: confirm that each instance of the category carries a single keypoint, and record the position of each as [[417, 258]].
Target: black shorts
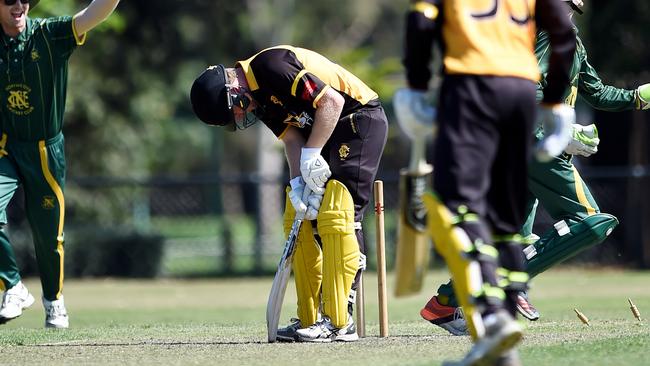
[[354, 150], [483, 147]]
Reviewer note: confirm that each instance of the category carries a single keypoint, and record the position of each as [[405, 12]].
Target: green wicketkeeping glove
[[585, 141], [643, 97]]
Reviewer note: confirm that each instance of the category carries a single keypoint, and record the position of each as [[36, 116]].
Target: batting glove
[[313, 205], [314, 169], [295, 194], [415, 116], [585, 141], [557, 121], [643, 97]]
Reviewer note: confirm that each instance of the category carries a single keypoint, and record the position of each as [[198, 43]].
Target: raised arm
[[95, 13]]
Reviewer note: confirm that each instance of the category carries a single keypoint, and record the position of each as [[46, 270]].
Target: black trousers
[[481, 162]]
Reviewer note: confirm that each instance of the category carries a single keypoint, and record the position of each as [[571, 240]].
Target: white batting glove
[[314, 169], [585, 140], [415, 116], [313, 205], [295, 194], [557, 121], [643, 97]]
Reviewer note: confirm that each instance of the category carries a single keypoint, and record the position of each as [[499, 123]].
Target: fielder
[[557, 185], [334, 130], [485, 116], [34, 77]]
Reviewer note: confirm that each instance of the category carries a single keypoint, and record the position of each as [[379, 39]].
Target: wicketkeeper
[[334, 131], [557, 185]]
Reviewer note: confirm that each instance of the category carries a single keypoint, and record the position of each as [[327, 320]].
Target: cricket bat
[[279, 286], [413, 245]]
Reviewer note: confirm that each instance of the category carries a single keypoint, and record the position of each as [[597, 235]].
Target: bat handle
[[418, 163]]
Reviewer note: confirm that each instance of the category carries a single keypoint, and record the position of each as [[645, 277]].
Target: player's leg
[[340, 263], [45, 209], [15, 297], [307, 270], [562, 192]]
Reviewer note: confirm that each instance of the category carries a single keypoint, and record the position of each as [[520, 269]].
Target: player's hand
[[415, 116], [585, 140], [557, 121], [314, 169], [313, 205], [295, 194], [643, 97]]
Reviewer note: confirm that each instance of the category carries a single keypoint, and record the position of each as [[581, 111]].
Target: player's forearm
[[610, 99], [96, 12], [551, 16], [293, 143], [420, 33], [325, 119]]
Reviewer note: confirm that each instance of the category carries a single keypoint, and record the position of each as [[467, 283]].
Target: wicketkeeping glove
[[314, 169], [585, 140], [643, 97], [557, 121], [295, 194]]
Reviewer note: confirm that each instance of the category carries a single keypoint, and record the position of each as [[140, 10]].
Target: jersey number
[[493, 12]]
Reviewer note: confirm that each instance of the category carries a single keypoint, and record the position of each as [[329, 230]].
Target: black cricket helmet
[[209, 97]]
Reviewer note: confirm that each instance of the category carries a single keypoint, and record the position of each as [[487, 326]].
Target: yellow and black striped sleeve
[[422, 28]]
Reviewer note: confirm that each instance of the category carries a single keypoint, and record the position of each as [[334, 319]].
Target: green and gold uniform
[[34, 74]]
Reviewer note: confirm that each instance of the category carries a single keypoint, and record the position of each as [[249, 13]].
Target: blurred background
[[153, 192]]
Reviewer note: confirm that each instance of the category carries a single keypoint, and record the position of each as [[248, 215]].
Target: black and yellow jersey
[[486, 37], [289, 81], [34, 77]]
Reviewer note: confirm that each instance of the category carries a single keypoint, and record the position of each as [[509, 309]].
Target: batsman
[[557, 184], [334, 129]]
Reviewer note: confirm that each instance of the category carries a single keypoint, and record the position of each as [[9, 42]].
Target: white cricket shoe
[[323, 331], [55, 314], [502, 332], [14, 301]]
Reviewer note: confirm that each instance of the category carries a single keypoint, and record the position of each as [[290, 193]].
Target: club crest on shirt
[[35, 55], [48, 202], [275, 100], [18, 99], [344, 151], [300, 121]]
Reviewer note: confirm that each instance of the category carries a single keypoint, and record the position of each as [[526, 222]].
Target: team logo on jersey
[[35, 55], [48, 202], [18, 99], [300, 121], [275, 100], [344, 151]]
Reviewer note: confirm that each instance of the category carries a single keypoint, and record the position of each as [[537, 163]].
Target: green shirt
[[584, 80], [34, 78]]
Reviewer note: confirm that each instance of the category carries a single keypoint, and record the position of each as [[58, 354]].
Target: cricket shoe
[[324, 331], [525, 308], [14, 301], [447, 317], [502, 332], [288, 333], [55, 314]]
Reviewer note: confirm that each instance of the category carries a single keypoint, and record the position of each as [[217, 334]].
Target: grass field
[[221, 322]]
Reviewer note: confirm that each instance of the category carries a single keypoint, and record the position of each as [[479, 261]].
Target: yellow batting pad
[[340, 250], [452, 242], [307, 265]]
